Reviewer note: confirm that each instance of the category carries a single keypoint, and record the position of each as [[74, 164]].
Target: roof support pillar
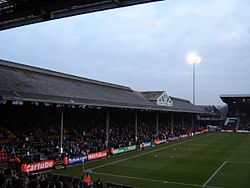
[[172, 123], [182, 120], [107, 128], [61, 135], [237, 112], [198, 122], [193, 115], [136, 125], [157, 124]]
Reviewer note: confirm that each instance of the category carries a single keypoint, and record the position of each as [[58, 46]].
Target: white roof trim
[[165, 100]]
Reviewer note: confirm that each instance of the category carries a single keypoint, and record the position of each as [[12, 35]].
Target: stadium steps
[[238, 124], [231, 123]]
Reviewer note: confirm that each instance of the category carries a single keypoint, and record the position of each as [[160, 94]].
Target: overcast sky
[[145, 47]]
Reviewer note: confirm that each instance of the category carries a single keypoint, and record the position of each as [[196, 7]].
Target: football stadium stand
[[213, 118], [53, 120], [238, 117]]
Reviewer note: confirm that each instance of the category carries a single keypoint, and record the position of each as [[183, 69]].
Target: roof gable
[[152, 95], [171, 103], [164, 100]]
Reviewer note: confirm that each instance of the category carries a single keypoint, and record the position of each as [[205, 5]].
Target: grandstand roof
[[211, 109], [26, 83], [20, 82], [15, 13], [235, 98], [152, 95], [182, 105], [234, 95]]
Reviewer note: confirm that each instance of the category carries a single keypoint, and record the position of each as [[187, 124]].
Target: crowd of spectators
[[78, 139], [11, 179], [244, 122], [37, 137]]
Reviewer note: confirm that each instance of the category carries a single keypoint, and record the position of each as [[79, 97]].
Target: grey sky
[[145, 47]]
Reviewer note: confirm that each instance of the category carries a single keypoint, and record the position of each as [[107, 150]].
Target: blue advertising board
[[146, 144], [77, 159]]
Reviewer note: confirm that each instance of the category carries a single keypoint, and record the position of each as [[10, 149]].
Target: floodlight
[[193, 58]]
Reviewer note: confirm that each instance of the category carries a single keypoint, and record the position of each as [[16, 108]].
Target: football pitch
[[211, 160]]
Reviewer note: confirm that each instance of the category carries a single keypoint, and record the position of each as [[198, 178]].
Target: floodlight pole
[[136, 125], [61, 135], [193, 83], [193, 58]]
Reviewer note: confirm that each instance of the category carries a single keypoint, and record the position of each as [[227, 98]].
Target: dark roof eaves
[[129, 106], [234, 95]]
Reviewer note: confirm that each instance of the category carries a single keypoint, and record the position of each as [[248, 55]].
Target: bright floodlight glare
[[193, 58]]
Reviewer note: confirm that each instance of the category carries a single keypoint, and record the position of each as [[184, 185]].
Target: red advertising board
[[157, 142], [97, 155], [183, 135], [38, 166]]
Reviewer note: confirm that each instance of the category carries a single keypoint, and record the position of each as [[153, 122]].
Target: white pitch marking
[[152, 180], [241, 162], [211, 177], [146, 153]]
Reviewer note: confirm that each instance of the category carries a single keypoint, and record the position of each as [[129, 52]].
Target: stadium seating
[[231, 124], [244, 123], [37, 138]]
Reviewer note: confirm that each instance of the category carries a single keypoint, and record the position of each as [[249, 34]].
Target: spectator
[[87, 180]]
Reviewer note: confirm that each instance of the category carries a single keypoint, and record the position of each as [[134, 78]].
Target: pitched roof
[[26, 83], [152, 95], [182, 105]]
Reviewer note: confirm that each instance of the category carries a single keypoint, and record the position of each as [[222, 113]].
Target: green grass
[[212, 160]]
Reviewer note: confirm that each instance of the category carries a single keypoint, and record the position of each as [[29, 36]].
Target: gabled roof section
[[26, 83], [152, 95], [164, 100], [14, 13], [211, 109], [179, 105], [185, 105], [159, 97]]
